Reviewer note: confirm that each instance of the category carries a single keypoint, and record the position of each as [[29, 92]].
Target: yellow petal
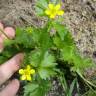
[[51, 6], [21, 71], [32, 71], [52, 16], [47, 12], [23, 77], [57, 7], [28, 78], [28, 67], [61, 12]]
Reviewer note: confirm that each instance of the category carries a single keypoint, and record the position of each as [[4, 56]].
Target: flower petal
[[21, 71], [28, 77], [52, 16], [32, 71], [57, 7], [61, 12], [47, 12], [28, 67], [51, 6], [23, 77]]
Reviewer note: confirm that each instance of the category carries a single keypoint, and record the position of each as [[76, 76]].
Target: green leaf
[[39, 11], [24, 38], [37, 88], [46, 72], [67, 53], [34, 58], [61, 29], [63, 83], [41, 6], [48, 61], [86, 81], [47, 66], [36, 36], [45, 40], [72, 87], [42, 3], [54, 1], [68, 40], [30, 88], [81, 63], [8, 42], [57, 41], [90, 93]]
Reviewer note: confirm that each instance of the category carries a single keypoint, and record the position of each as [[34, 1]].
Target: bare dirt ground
[[80, 17]]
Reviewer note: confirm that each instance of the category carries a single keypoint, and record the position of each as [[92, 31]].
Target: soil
[[80, 17]]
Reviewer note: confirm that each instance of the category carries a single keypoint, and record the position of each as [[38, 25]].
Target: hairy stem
[[4, 33]]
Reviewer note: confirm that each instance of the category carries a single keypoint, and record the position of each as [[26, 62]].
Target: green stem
[[4, 33], [49, 25], [64, 83], [90, 83], [8, 37]]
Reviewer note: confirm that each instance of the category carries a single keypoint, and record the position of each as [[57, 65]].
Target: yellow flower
[[54, 10], [26, 73], [29, 29]]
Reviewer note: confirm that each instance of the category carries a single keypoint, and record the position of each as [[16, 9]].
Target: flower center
[[27, 72], [53, 11]]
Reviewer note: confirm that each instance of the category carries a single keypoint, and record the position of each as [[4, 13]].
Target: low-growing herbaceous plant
[[48, 50]]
